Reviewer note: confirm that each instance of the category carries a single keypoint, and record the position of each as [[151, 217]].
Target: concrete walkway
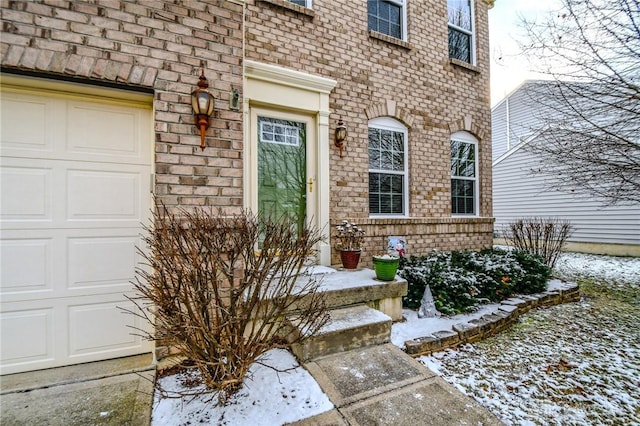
[[114, 392], [376, 385], [381, 385]]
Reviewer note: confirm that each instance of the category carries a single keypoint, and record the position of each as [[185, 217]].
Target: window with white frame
[[278, 132], [387, 17], [304, 3], [464, 174], [388, 168], [461, 31]]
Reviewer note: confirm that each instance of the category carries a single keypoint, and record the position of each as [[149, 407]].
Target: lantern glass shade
[[341, 133], [202, 102]]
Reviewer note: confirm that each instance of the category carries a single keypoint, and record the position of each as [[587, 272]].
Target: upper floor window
[[461, 31], [464, 174], [304, 3], [387, 17], [388, 174]]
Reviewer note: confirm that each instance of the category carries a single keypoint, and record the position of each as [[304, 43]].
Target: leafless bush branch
[[544, 237], [590, 114], [210, 292]]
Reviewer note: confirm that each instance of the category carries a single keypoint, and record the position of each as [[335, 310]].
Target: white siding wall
[[517, 193], [499, 130], [523, 116]]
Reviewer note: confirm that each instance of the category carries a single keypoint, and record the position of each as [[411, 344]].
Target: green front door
[[282, 169]]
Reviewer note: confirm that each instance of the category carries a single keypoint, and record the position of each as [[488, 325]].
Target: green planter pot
[[385, 268]]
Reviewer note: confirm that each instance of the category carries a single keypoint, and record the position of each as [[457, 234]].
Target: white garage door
[[75, 180]]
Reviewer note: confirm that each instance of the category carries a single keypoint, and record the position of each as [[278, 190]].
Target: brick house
[[96, 117]]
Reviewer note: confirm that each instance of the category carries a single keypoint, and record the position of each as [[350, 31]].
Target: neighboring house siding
[[523, 115], [518, 193], [515, 119], [414, 82], [155, 45], [499, 129]]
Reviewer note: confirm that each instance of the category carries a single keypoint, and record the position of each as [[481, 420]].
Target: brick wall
[[153, 44], [161, 45], [413, 81]]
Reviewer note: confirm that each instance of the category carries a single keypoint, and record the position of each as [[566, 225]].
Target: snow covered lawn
[[571, 364]]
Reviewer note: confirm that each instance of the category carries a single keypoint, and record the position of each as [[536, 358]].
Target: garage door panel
[[103, 129], [88, 336], [27, 338], [104, 194], [26, 193], [94, 195], [42, 117], [102, 262], [62, 263], [37, 277]]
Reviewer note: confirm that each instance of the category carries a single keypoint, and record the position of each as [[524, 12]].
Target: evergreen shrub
[[460, 280]]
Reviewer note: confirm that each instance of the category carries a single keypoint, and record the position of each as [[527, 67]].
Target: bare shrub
[[209, 291], [544, 237]]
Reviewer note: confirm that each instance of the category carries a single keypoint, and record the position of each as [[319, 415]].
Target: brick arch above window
[[390, 108], [466, 124]]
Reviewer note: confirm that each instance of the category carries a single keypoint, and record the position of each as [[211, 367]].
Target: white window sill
[[292, 6], [463, 64]]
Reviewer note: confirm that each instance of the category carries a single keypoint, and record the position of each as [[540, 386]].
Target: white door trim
[[272, 87]]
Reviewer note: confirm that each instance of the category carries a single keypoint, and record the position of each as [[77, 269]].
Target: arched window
[[388, 168], [464, 174]]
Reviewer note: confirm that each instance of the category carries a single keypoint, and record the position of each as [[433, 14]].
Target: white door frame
[[273, 88]]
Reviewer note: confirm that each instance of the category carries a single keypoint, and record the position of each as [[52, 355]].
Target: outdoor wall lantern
[[341, 135], [234, 100], [202, 103]]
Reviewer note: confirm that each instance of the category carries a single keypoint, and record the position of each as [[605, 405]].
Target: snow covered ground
[[268, 398], [614, 270], [415, 327], [570, 364]]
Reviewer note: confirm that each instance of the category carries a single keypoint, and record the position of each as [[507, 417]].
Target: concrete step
[[349, 328], [351, 287]]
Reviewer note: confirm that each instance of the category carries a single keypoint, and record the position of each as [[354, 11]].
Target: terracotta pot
[[350, 258]]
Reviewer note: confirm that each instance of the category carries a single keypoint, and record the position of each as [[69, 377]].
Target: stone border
[[493, 323]]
